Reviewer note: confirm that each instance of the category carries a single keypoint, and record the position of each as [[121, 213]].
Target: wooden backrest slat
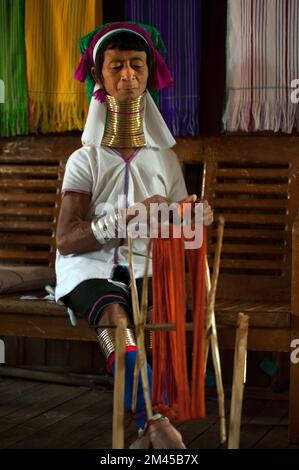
[[257, 219], [32, 170], [27, 240], [254, 173], [24, 255], [31, 184], [270, 205], [35, 198], [18, 210], [244, 234], [252, 264], [251, 188], [27, 226], [258, 195], [29, 205], [279, 249]]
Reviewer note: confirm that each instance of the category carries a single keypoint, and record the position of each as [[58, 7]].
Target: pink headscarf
[[161, 77]]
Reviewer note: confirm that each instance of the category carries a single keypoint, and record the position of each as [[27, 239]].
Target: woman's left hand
[[208, 215], [207, 212]]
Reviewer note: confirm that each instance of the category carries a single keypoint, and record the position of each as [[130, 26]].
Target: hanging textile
[[179, 25], [13, 99], [171, 394], [262, 62], [58, 102]]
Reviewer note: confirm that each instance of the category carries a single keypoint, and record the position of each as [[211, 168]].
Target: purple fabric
[[179, 23], [100, 95], [161, 75]]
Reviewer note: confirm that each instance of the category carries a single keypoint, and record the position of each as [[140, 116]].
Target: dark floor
[[42, 415]]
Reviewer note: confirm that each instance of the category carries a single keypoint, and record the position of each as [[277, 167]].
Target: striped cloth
[[262, 63], [13, 105], [58, 102], [179, 24]]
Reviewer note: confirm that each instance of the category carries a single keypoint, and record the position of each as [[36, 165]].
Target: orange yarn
[[171, 393]]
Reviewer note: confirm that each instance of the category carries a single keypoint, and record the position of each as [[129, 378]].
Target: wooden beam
[[294, 387]]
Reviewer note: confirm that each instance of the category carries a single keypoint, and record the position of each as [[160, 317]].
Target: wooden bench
[[29, 206], [257, 192], [259, 199]]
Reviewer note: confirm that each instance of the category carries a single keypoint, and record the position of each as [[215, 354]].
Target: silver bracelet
[[107, 227]]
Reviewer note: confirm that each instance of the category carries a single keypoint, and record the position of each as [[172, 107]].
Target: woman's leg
[[106, 337]]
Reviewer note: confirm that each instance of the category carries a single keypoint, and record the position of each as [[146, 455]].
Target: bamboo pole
[[118, 441], [211, 337], [219, 382], [239, 378], [139, 331], [212, 286], [139, 321], [163, 326], [143, 319]]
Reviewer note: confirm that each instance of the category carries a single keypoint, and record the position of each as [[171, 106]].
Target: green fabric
[[13, 112], [158, 43]]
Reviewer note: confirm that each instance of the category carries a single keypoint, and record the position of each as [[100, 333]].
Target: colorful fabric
[[89, 45], [262, 61], [13, 105], [180, 26], [52, 31]]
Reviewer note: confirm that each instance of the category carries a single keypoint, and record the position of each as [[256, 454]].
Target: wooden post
[[118, 440], [294, 384], [239, 377], [294, 365]]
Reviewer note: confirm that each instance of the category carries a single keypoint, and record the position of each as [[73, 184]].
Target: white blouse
[[105, 174]]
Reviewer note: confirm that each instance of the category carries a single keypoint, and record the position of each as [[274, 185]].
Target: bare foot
[[159, 434], [164, 436]]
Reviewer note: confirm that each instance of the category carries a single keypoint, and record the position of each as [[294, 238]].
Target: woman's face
[[124, 74]]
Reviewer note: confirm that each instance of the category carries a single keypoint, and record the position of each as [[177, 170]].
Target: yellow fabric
[[58, 102]]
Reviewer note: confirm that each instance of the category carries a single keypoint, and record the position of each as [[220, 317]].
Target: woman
[[126, 159]]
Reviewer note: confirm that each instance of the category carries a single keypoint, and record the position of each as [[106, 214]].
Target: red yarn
[[172, 395]]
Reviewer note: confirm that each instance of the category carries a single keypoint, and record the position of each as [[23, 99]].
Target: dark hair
[[123, 42]]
